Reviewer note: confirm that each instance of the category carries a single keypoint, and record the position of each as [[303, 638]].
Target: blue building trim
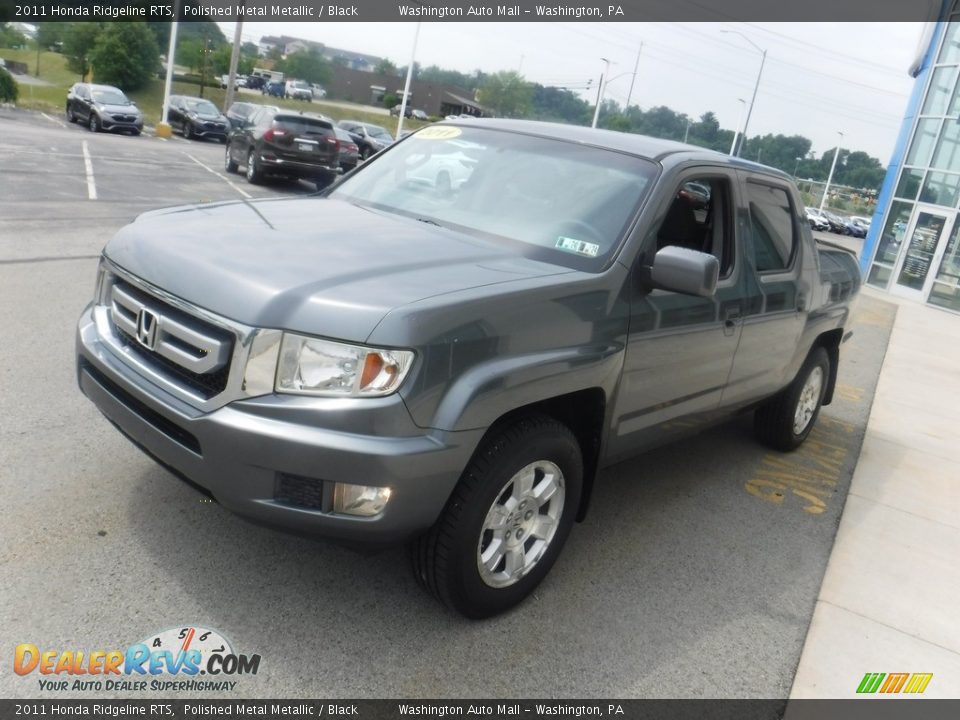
[[900, 149]]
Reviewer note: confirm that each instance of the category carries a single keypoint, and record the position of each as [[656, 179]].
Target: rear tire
[[228, 162], [254, 174], [506, 521], [786, 420]]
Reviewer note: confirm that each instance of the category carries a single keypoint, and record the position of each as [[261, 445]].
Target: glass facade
[[917, 250]]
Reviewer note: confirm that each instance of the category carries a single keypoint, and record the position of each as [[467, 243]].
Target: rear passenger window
[[771, 219]]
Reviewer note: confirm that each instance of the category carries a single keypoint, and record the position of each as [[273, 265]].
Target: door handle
[[731, 318], [801, 302]]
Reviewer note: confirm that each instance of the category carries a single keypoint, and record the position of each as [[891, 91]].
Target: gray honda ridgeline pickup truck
[[445, 347]]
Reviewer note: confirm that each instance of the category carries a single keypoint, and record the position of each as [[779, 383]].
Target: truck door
[[774, 306], [680, 348]]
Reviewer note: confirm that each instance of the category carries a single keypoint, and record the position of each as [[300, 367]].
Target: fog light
[[365, 500]]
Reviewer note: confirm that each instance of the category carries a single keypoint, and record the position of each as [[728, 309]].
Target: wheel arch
[[584, 413], [830, 341]]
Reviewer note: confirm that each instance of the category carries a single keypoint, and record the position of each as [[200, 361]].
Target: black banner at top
[[474, 10]]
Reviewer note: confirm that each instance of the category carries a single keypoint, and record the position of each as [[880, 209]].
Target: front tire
[[786, 420], [506, 521], [187, 131], [94, 123], [71, 116]]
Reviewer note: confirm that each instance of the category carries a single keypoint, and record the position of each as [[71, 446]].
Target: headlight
[[311, 366]]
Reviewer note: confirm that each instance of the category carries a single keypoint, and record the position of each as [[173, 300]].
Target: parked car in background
[[197, 118], [817, 222], [284, 143], [275, 88], [239, 112], [103, 107], [319, 92], [837, 224], [255, 82], [299, 90], [395, 111], [349, 151], [862, 221], [853, 229], [420, 115], [369, 138]]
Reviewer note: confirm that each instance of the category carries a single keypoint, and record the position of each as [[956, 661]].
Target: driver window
[[699, 218]]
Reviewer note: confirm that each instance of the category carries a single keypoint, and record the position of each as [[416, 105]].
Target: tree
[[50, 35], [190, 53], [386, 67], [8, 87], [125, 55], [78, 43], [307, 65], [10, 37], [507, 93], [221, 61]]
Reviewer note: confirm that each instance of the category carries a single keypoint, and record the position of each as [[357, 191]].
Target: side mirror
[[685, 271]]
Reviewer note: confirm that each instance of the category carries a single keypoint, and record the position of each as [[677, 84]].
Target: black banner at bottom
[[874, 708]]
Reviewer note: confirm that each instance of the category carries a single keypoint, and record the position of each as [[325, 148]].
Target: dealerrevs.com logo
[[180, 659]]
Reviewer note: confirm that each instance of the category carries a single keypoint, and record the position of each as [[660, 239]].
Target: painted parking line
[[227, 180], [88, 166], [54, 120]]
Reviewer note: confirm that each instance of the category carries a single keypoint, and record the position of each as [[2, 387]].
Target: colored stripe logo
[[890, 683]]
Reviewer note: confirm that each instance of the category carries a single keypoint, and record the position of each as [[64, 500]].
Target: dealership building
[[913, 248]]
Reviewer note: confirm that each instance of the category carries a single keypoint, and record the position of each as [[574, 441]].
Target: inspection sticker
[[438, 132], [577, 246]]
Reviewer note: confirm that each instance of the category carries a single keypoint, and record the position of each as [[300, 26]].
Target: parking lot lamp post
[[753, 99], [736, 132], [796, 166], [234, 60], [596, 113], [826, 189], [406, 85], [163, 127]]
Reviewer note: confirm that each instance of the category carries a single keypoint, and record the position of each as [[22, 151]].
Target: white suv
[[299, 90]]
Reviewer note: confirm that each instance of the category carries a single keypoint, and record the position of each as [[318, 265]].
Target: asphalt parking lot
[[694, 575]]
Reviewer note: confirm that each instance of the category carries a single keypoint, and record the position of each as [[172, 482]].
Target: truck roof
[[655, 149]]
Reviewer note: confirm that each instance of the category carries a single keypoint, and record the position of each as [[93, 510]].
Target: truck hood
[[311, 265]]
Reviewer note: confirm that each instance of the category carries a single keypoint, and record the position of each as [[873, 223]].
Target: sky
[[818, 79]]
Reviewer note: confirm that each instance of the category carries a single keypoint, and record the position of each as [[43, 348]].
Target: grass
[[51, 98]]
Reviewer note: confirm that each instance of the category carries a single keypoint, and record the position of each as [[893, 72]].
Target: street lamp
[[736, 133], [596, 113], [753, 99], [826, 189], [796, 166]]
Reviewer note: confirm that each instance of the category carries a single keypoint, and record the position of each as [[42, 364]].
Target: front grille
[[124, 118], [187, 350], [299, 491]]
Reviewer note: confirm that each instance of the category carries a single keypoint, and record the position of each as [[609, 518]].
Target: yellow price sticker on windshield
[[438, 132]]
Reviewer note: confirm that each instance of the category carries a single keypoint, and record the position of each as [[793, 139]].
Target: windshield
[[202, 107], [378, 132], [552, 200], [110, 97]]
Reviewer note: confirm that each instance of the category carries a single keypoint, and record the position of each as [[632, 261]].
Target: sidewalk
[[890, 598]]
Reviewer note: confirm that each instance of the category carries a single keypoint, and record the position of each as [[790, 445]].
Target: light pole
[[686, 133], [797, 165], [736, 133], [753, 99], [596, 113], [636, 65], [406, 84], [163, 127], [836, 154]]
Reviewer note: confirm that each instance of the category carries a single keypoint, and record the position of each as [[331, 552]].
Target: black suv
[[102, 107], [197, 118], [286, 143]]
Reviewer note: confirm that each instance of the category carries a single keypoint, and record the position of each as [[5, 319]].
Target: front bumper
[[245, 453], [109, 123], [201, 130]]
